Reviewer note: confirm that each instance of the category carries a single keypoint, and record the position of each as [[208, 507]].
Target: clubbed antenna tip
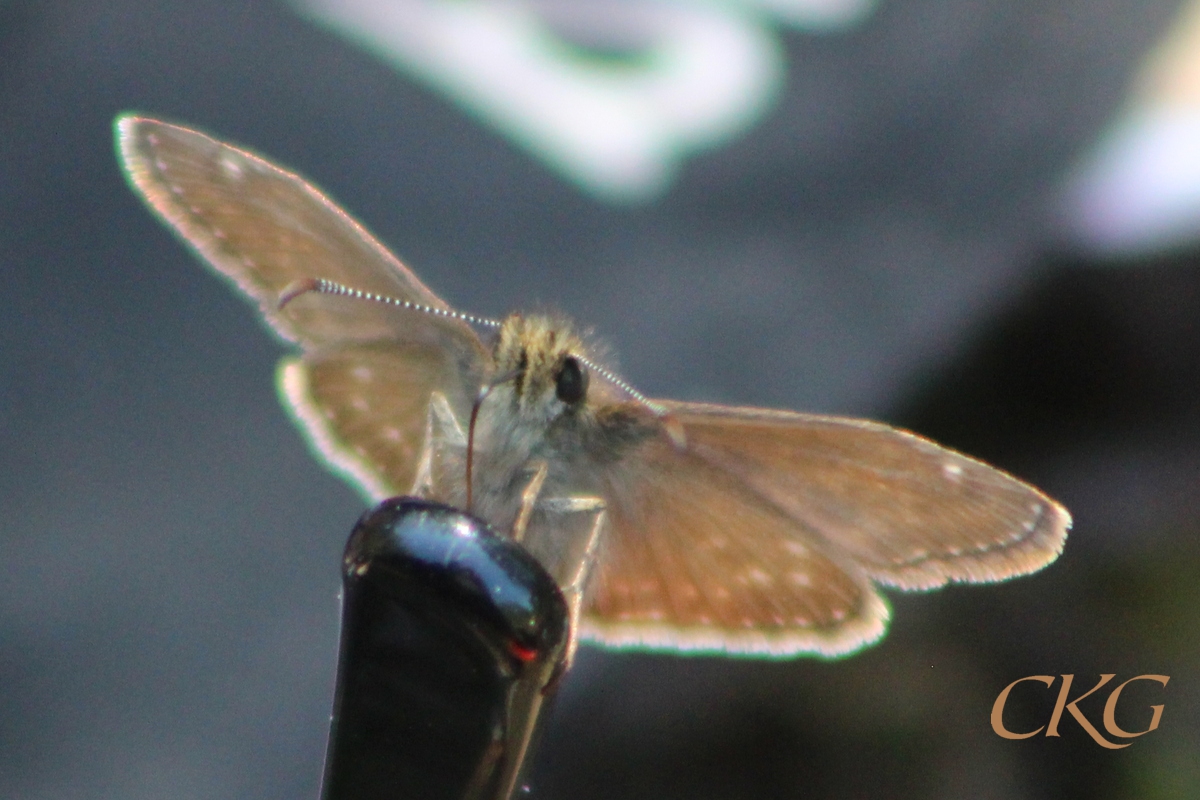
[[297, 288], [322, 286]]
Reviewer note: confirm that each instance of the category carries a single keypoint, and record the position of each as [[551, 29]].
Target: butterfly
[[669, 525]]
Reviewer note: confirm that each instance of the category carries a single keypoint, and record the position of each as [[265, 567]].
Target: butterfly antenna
[[611, 377], [671, 424], [322, 286]]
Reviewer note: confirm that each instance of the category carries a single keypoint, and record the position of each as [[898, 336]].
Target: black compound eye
[[570, 385]]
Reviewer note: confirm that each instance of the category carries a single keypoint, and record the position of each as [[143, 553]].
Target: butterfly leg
[[440, 467], [564, 536], [529, 498]]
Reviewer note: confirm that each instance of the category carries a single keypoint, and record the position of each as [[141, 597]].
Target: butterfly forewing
[[911, 513], [266, 228]]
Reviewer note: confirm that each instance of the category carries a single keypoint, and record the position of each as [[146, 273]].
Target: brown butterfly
[[670, 525]]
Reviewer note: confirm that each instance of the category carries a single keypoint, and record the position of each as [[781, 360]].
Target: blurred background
[[976, 218]]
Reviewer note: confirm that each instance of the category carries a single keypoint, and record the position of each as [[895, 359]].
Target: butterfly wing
[[367, 408], [265, 228], [363, 388], [800, 514]]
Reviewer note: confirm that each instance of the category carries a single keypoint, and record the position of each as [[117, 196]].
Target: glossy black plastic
[[450, 638]]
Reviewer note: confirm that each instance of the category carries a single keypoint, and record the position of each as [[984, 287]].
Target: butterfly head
[[542, 363]]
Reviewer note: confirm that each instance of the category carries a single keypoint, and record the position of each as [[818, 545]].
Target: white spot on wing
[[231, 166], [756, 575]]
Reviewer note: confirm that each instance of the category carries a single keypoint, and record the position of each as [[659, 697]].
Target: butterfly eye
[[570, 385]]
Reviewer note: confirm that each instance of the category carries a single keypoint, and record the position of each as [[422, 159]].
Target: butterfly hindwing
[[693, 560], [366, 408]]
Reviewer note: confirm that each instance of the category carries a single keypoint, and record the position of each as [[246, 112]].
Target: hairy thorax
[[545, 412]]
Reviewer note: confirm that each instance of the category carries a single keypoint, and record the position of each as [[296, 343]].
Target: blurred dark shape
[[451, 639]]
